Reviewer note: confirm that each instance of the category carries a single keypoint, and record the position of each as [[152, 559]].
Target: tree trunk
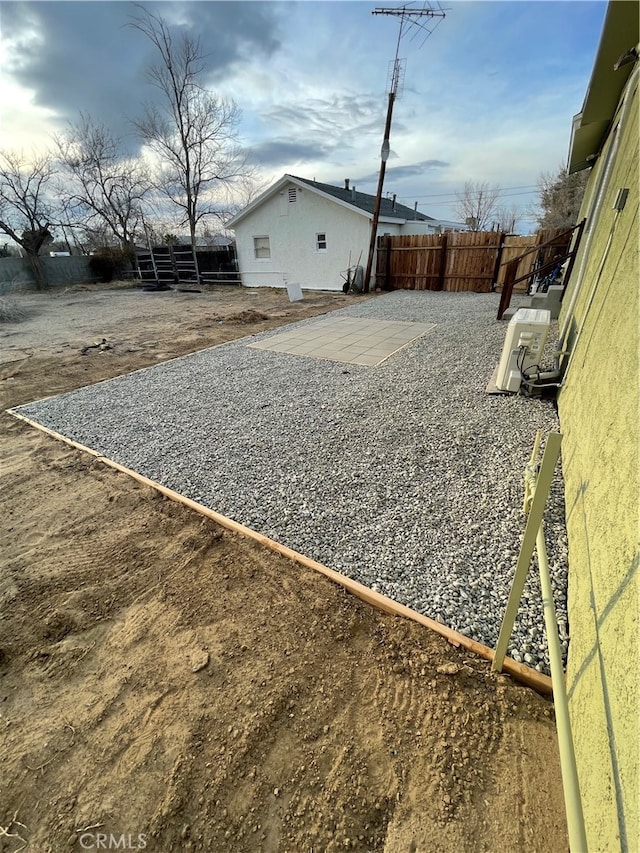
[[38, 272], [192, 230]]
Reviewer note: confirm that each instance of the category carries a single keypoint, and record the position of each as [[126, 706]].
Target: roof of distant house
[[366, 202], [346, 195]]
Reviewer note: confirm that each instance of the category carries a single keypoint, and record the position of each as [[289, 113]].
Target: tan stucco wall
[[599, 409]]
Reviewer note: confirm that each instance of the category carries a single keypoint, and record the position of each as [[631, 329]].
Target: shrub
[[10, 310], [110, 262]]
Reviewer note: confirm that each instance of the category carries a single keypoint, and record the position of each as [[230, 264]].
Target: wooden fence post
[[443, 262], [387, 266], [496, 268]]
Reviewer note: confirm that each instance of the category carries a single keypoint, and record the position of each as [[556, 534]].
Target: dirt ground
[[170, 686]]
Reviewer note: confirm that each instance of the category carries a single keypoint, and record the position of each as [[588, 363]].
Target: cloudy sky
[[488, 96]]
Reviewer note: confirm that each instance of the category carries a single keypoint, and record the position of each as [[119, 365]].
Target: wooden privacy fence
[[457, 261]]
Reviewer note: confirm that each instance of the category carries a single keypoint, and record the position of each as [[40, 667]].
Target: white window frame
[[257, 248], [321, 241]]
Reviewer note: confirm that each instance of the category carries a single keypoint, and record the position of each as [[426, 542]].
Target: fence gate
[[167, 265]]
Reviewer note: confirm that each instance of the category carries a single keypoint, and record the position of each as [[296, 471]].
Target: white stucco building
[[308, 233]]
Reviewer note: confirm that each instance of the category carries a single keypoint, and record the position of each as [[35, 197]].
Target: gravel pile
[[406, 476]]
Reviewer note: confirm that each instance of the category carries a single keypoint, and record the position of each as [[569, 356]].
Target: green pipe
[[570, 784]]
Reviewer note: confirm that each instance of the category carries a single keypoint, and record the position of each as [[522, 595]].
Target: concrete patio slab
[[352, 340]]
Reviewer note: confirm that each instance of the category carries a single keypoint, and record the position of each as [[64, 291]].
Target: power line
[[504, 193]]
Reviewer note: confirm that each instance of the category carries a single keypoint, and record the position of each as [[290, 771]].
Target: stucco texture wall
[[292, 230], [598, 407]]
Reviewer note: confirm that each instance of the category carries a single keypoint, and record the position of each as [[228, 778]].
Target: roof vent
[[293, 194], [353, 193], [346, 183]]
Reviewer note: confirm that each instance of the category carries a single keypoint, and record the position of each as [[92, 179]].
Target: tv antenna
[[419, 22]]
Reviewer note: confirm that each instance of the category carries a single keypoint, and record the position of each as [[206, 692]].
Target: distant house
[[308, 233], [598, 405]]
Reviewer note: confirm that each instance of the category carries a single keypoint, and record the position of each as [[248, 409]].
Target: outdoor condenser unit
[[526, 335]]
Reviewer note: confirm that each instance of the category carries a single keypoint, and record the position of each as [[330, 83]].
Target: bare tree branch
[[103, 190], [26, 209], [193, 132], [476, 204], [560, 197], [506, 218]]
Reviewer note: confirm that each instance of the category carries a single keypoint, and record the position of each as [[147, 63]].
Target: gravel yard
[[406, 476]]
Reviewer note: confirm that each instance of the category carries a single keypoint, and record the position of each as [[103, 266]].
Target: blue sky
[[489, 96]]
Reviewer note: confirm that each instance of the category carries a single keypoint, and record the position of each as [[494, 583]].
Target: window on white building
[[261, 248], [321, 242]]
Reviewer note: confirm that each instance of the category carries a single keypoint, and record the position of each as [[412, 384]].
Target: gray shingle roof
[[366, 202]]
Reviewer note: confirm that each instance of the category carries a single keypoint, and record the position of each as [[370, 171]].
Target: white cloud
[[490, 95], [24, 126]]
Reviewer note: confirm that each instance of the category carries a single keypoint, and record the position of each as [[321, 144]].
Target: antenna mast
[[410, 19]]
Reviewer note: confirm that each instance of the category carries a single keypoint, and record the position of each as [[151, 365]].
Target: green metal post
[[570, 784], [547, 467]]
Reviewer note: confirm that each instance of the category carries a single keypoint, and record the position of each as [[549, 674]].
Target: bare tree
[[192, 132], [506, 218], [560, 197], [26, 210], [106, 190], [157, 227], [476, 204]]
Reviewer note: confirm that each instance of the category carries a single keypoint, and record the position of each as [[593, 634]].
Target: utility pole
[[413, 17]]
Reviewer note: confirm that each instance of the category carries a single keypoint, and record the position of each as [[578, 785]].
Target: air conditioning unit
[[526, 335]]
